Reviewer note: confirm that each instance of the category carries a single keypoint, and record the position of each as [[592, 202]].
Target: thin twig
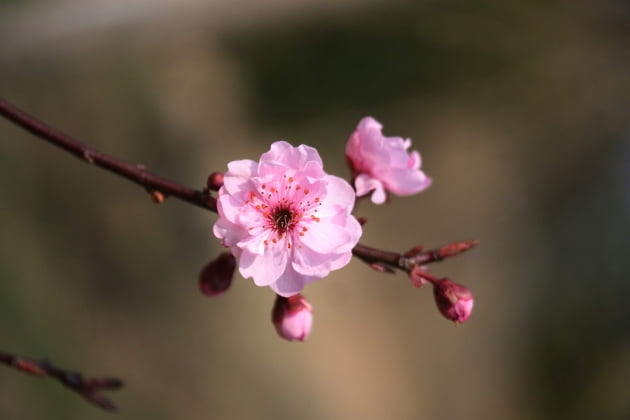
[[88, 388], [382, 260], [158, 187]]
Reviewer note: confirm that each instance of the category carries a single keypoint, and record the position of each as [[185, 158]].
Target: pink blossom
[[292, 317], [380, 164], [287, 221], [453, 300]]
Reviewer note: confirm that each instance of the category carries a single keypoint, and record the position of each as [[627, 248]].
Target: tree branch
[[386, 261], [158, 187], [88, 388]]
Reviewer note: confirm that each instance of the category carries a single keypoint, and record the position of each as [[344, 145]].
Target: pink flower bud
[[453, 300], [292, 317], [216, 277]]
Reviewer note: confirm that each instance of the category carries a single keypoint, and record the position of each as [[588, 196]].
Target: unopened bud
[[453, 300], [456, 248], [216, 277], [215, 181], [292, 317]]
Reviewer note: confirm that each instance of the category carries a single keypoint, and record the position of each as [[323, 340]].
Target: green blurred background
[[519, 108]]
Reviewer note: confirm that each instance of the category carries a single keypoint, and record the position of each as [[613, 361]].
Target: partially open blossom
[[216, 277], [380, 164], [453, 300], [287, 221], [292, 317]]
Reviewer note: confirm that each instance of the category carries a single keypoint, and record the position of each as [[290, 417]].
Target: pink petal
[[291, 283], [365, 183], [267, 268]]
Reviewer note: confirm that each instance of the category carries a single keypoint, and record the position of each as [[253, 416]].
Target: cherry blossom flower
[[292, 317], [287, 221], [380, 164]]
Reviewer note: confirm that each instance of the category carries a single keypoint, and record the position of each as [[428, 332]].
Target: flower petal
[[264, 269], [291, 282]]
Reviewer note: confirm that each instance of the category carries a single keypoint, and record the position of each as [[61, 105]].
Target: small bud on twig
[[157, 196], [215, 181], [456, 248]]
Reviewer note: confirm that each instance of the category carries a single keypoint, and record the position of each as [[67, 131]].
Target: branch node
[[87, 155]]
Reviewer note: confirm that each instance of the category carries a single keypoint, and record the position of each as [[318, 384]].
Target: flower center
[[282, 219]]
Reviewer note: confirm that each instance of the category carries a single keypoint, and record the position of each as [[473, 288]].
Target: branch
[[88, 388], [158, 187], [386, 261]]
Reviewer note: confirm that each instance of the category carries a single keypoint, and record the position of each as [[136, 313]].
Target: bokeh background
[[519, 108]]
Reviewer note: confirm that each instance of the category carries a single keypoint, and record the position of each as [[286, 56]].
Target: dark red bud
[[216, 277], [215, 181]]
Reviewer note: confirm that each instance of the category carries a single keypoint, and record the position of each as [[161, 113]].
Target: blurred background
[[520, 110]]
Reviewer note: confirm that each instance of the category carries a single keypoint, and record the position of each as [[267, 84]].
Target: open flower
[[380, 164], [287, 221]]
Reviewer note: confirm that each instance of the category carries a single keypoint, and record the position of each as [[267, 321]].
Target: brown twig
[[386, 261], [88, 388], [158, 187]]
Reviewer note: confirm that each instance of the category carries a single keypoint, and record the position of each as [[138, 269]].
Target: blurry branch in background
[[88, 388], [454, 306]]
